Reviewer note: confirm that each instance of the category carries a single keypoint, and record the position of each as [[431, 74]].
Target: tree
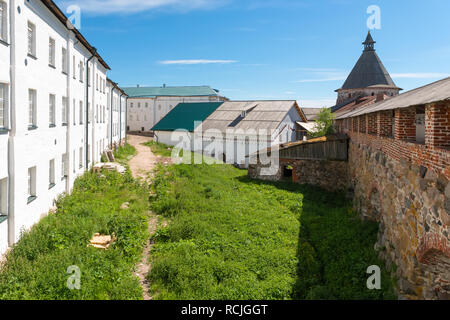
[[324, 124]]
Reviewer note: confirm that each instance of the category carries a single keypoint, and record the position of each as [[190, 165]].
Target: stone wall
[[411, 202], [329, 175]]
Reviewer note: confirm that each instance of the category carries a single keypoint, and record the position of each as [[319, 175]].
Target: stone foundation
[[411, 203], [329, 175]]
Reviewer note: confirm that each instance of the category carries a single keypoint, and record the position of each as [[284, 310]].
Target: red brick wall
[[371, 123], [362, 123], [405, 124], [384, 124], [437, 131]]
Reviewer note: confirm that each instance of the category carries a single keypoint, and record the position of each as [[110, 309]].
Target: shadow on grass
[[335, 247]]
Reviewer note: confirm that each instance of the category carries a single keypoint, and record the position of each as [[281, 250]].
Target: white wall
[[35, 148], [152, 110]]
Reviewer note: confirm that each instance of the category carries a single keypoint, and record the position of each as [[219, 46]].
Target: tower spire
[[369, 43]]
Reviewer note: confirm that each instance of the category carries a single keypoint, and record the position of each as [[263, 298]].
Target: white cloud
[[104, 7], [419, 75], [322, 75], [198, 61]]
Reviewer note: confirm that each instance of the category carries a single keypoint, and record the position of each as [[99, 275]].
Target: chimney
[[380, 97]]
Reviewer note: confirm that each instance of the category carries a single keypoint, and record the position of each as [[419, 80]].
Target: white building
[[148, 105], [232, 130], [53, 111]]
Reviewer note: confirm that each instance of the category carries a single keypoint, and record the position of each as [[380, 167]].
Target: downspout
[[111, 120], [120, 119], [126, 118], [12, 125], [87, 108]]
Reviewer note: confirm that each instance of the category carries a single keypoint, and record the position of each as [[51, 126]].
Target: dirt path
[[144, 161], [141, 166]]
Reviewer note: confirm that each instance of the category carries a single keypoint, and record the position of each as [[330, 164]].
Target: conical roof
[[369, 70]]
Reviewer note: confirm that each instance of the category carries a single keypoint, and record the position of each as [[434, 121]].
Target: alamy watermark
[[74, 18], [74, 281], [374, 281], [374, 20]]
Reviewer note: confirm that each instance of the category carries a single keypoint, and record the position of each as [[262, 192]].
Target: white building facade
[[148, 105], [53, 111]]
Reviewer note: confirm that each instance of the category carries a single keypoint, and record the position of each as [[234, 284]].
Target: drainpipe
[[12, 125], [111, 121], [87, 108], [126, 118], [120, 119]]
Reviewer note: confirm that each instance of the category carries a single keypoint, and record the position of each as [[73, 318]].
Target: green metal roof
[[184, 115], [152, 92]]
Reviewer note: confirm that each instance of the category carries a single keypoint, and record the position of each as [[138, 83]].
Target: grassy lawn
[[37, 266], [124, 154], [161, 149], [230, 237]]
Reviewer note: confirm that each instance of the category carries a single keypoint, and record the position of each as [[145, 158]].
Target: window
[[51, 110], [89, 112], [3, 106], [74, 63], [80, 160], [51, 52], [74, 161], [63, 166], [64, 111], [131, 105], [139, 104], [3, 21], [96, 113], [51, 174], [4, 197], [31, 39], [31, 184], [81, 71], [146, 104], [74, 112], [159, 107], [64, 60], [31, 109], [81, 112]]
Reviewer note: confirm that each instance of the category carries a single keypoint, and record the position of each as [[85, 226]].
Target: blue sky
[[265, 49]]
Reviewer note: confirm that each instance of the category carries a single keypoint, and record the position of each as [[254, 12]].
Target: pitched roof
[[433, 92], [184, 115], [260, 115], [369, 70], [152, 92], [311, 113]]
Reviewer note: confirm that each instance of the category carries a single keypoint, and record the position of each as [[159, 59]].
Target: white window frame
[[64, 60], [31, 38], [4, 197], [64, 112], [32, 100], [51, 174], [31, 184], [3, 21], [52, 110], [51, 52], [63, 166], [4, 106]]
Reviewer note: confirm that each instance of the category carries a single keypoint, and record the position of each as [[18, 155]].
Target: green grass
[[161, 149], [37, 266], [230, 237], [125, 153]]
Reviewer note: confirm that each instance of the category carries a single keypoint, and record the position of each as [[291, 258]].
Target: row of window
[[146, 105], [100, 81]]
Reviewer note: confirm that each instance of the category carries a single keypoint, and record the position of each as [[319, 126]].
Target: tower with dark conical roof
[[369, 77]]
